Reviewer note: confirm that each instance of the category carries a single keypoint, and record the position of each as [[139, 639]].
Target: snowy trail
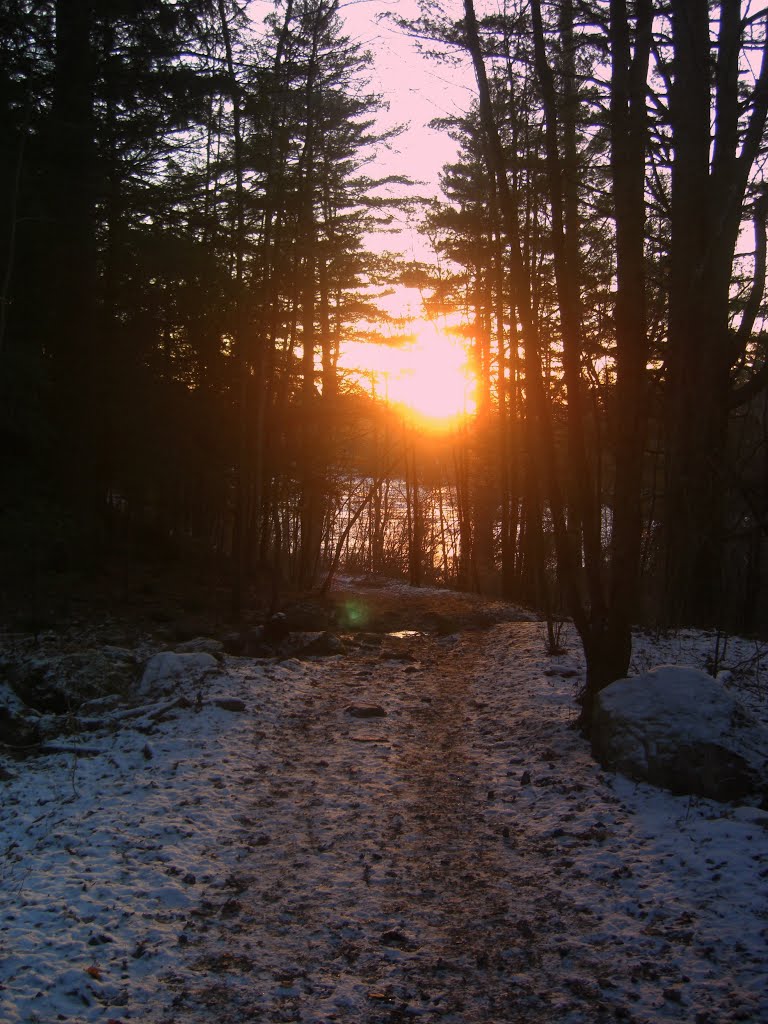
[[381, 862], [427, 864], [386, 872], [460, 859]]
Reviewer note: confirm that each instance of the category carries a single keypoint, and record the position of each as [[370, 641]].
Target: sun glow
[[430, 378]]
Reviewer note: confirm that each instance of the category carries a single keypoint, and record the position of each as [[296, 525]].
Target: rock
[[253, 645], [397, 939], [678, 728], [229, 703], [19, 727], [234, 643], [10, 702], [101, 705], [324, 644], [202, 645], [166, 672], [61, 683], [119, 653], [365, 711], [275, 629]]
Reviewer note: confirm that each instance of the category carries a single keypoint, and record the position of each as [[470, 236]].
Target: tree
[[711, 70], [706, 211]]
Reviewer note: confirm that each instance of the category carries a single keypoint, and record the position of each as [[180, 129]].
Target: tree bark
[[239, 543]]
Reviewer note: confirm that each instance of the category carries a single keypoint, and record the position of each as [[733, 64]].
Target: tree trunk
[[612, 637], [239, 545], [603, 621], [311, 474], [72, 274], [538, 414], [709, 183]]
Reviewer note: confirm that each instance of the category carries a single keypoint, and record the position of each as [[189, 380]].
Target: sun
[[429, 379]]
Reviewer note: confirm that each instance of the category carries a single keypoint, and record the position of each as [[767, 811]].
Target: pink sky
[[417, 89]]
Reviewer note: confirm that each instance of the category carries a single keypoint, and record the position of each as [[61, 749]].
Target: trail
[[459, 858], [401, 883]]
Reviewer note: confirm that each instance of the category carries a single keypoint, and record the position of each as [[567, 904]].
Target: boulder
[[248, 644], [18, 725], [366, 711], [167, 673], [202, 645], [678, 728], [229, 703], [275, 629], [322, 645], [264, 641], [61, 683]]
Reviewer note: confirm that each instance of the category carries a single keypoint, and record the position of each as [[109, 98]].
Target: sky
[[430, 375], [417, 90]]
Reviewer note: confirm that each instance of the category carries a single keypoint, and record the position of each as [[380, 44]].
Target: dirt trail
[[399, 893]]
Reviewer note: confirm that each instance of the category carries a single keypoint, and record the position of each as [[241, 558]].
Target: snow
[[672, 691], [460, 858]]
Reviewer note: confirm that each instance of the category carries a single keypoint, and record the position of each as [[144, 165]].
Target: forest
[[188, 193]]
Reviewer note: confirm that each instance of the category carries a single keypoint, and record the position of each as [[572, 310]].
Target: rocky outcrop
[[678, 728]]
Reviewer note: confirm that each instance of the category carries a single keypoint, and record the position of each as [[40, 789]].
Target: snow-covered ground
[[458, 858]]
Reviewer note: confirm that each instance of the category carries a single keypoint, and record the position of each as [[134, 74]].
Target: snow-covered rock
[[10, 702], [679, 728], [168, 672]]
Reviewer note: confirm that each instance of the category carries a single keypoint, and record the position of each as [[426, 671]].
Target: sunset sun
[[430, 378]]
